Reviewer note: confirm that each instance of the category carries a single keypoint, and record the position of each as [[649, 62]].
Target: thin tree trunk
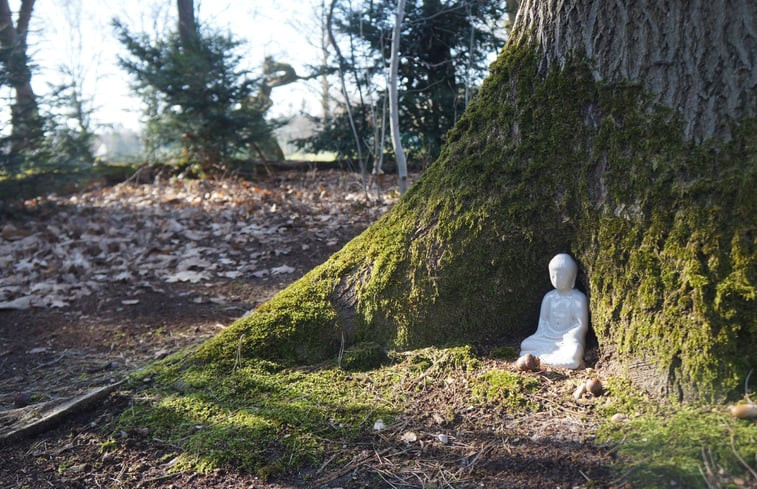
[[698, 57], [341, 61], [325, 97], [394, 120]]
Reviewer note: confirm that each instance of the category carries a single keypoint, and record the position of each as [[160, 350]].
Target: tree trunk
[[187, 24], [26, 126], [587, 138], [394, 111], [695, 57]]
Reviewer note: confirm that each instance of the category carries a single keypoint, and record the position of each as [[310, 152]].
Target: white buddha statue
[[563, 321]]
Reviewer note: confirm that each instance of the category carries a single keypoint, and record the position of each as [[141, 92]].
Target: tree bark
[[695, 57], [187, 24], [24, 112]]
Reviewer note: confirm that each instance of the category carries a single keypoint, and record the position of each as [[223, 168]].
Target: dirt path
[[95, 285]]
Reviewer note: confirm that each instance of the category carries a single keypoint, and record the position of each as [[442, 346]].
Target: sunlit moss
[[664, 443], [505, 389]]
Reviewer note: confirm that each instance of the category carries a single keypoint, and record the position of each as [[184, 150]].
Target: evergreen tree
[[201, 106], [444, 47]]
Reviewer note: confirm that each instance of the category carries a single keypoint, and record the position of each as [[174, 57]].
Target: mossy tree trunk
[[696, 57], [594, 134]]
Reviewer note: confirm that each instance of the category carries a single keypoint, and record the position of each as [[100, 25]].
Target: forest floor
[[95, 285]]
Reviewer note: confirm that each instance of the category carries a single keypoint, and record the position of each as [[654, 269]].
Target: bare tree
[[394, 114], [24, 112]]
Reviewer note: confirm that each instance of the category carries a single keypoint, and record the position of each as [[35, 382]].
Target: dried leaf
[[409, 437], [186, 276], [283, 269], [20, 304]]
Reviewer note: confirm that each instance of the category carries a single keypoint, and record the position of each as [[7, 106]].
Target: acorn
[[595, 387], [744, 411], [527, 363]]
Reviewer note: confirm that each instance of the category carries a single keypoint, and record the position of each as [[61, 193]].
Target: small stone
[[579, 392], [379, 425], [619, 418], [443, 438]]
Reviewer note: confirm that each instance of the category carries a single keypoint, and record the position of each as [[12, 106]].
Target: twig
[[746, 383], [238, 360], [341, 352], [160, 478], [51, 362], [733, 447], [324, 464]]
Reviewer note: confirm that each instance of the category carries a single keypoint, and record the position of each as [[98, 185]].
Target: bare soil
[[60, 341]]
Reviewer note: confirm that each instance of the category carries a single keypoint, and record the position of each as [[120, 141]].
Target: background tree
[[394, 98], [199, 101], [581, 140], [26, 124], [51, 138], [445, 47]]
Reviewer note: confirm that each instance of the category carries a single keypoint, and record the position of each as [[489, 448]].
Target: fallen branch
[[49, 419]]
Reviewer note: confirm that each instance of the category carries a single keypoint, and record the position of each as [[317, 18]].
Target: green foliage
[[444, 48], [202, 108], [59, 155]]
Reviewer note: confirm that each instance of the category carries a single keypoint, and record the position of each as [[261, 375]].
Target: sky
[[77, 36]]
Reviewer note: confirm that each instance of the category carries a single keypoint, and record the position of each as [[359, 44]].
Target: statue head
[[562, 271]]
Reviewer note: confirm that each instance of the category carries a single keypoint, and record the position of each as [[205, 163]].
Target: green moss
[[257, 416], [504, 353], [669, 442], [505, 389], [263, 417], [364, 356]]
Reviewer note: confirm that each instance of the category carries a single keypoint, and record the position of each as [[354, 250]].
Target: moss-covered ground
[[662, 443], [426, 410]]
